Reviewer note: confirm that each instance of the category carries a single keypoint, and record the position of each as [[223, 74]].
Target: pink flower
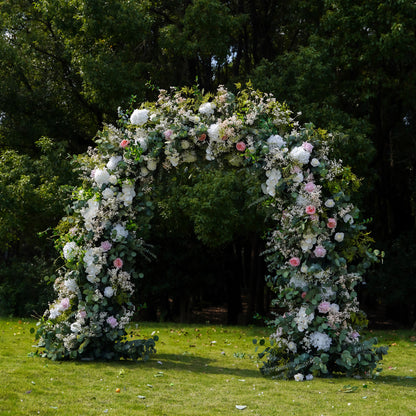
[[310, 209], [64, 304], [307, 146], [202, 137], [332, 223], [112, 321], [319, 251], [324, 307], [303, 295], [105, 246], [168, 133], [241, 146], [314, 217], [82, 314], [296, 169], [118, 263], [124, 143], [294, 261], [310, 187]]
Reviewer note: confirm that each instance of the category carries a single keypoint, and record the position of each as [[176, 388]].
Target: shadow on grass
[[176, 362]]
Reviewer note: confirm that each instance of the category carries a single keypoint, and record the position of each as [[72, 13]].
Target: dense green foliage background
[[65, 67]]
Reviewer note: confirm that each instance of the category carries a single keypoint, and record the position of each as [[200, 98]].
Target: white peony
[[299, 154], [298, 377], [273, 178], [113, 162], [71, 285], [139, 117], [127, 194]]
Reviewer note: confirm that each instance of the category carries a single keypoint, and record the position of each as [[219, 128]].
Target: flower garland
[[316, 252]]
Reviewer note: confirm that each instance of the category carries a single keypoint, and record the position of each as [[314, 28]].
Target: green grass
[[198, 370]]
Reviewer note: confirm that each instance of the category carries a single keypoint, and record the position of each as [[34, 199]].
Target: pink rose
[[354, 335], [332, 223], [168, 133], [118, 263], [112, 321], [319, 251], [64, 304], [310, 209], [241, 146], [105, 246], [307, 146], [303, 295], [294, 261], [202, 137], [310, 187], [324, 307], [124, 143]]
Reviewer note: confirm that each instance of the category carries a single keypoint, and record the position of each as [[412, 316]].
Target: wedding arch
[[316, 251]]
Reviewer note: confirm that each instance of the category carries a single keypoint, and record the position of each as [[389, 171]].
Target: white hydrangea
[[214, 132], [101, 176], [70, 250], [320, 341], [299, 154], [108, 292], [308, 242], [108, 193], [275, 142], [151, 164], [113, 162], [297, 281], [189, 157], [142, 142], [207, 109], [119, 233], [139, 117], [273, 178]]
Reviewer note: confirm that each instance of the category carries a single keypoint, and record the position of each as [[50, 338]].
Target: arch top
[[317, 250]]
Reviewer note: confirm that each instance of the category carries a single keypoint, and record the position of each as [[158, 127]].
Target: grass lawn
[[198, 370]]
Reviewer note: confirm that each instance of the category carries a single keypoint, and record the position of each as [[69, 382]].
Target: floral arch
[[316, 250]]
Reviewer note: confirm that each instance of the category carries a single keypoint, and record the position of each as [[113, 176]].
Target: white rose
[[214, 131], [339, 237], [348, 219], [329, 203], [101, 176], [315, 162]]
